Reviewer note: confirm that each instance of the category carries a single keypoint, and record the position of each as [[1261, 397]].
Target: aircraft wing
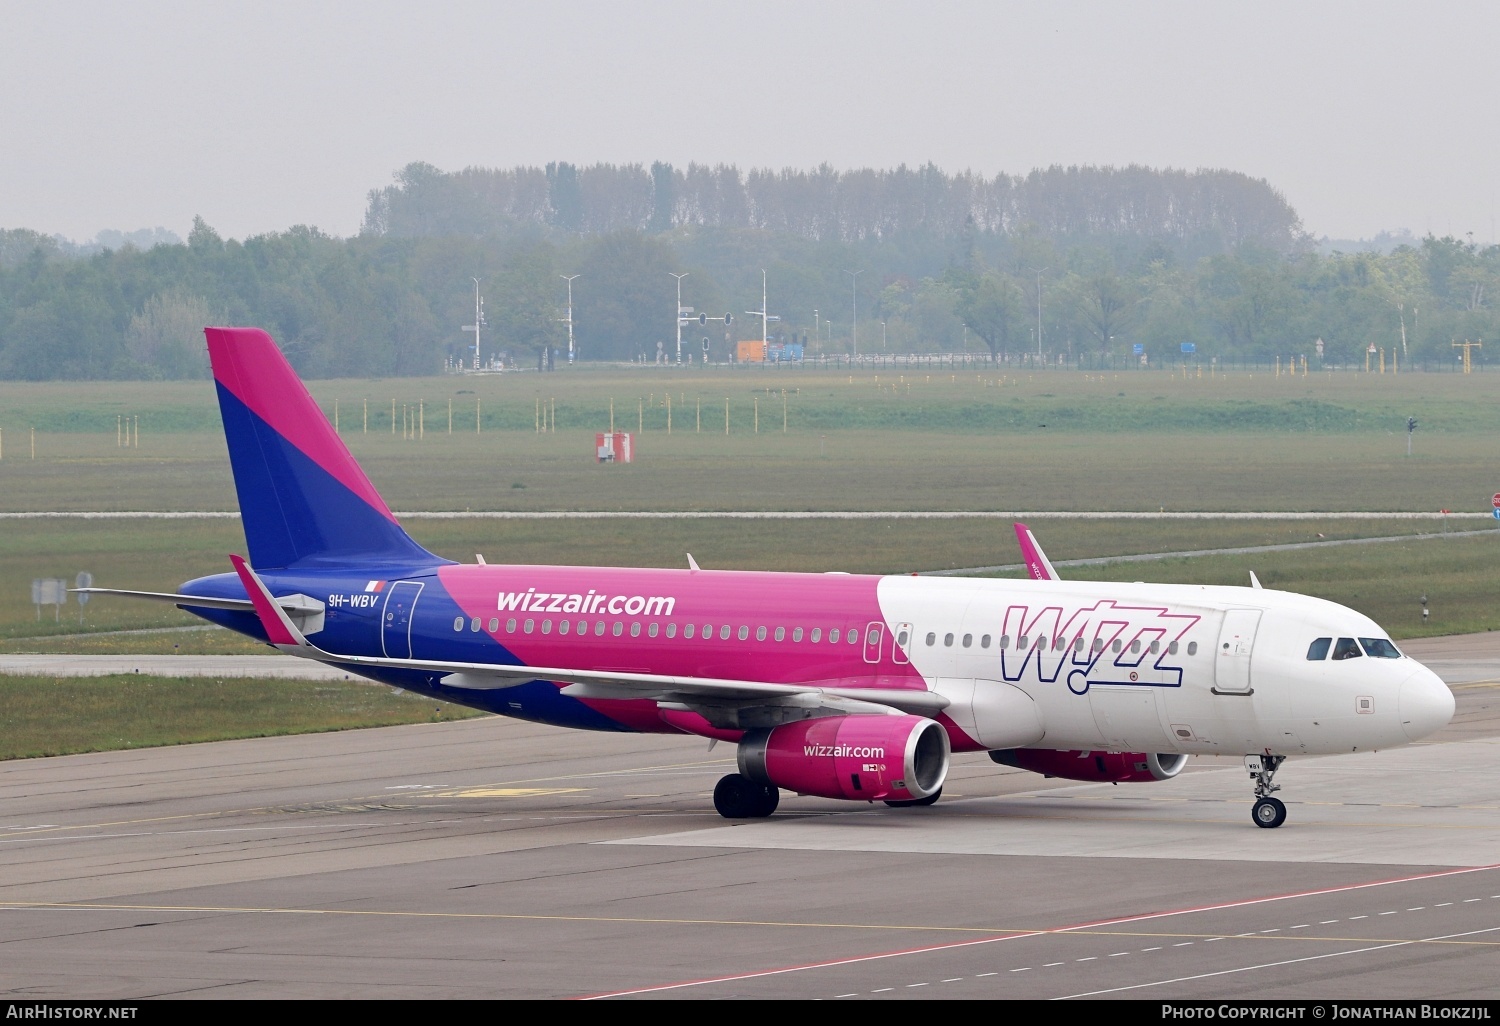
[[722, 701], [297, 605]]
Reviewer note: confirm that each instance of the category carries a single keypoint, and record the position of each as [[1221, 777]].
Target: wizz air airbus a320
[[834, 685]]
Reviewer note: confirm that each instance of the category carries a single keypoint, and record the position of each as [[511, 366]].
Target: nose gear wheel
[[1267, 812]]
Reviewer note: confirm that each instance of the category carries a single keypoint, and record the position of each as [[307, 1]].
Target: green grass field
[[139, 711], [889, 441]]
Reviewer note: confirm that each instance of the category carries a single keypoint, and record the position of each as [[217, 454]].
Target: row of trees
[[1199, 210], [392, 302]]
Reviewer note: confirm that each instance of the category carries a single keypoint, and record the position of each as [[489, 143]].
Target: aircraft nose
[[1426, 704]]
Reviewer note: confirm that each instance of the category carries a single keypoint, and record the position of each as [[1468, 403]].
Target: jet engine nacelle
[[1110, 767], [865, 758]]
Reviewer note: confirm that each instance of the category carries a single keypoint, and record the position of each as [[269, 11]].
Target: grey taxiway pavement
[[496, 858]]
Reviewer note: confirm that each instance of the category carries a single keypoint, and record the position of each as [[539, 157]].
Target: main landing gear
[[738, 797], [1268, 812]]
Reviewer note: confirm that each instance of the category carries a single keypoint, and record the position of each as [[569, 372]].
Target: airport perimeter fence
[[1094, 364]]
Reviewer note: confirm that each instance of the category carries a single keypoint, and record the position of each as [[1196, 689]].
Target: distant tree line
[[1098, 259]]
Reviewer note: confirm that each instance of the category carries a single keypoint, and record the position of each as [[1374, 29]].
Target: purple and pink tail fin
[[1038, 566], [304, 500]]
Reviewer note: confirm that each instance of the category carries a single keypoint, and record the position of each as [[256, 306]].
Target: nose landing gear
[[1268, 812]]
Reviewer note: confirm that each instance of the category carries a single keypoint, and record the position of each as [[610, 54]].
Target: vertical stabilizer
[[304, 501]]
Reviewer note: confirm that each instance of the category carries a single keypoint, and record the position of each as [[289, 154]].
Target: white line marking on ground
[[1276, 965]]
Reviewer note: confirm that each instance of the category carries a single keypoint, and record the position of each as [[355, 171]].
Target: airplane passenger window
[[598, 628], [968, 640], [1116, 645], [563, 626], [781, 634], [816, 636], [1155, 647], [931, 639], [1059, 643], [1379, 648], [474, 625], [510, 626], [635, 629], [494, 624], [527, 626], [546, 626], [1078, 643], [760, 634], [947, 640], [853, 636], [1005, 641], [984, 641], [744, 632], [1172, 648], [1135, 647], [671, 630], [1318, 650], [687, 630], [619, 629], [653, 629], [1346, 648], [1098, 644], [458, 623], [796, 633], [1192, 648], [833, 636], [724, 633], [1021, 642], [872, 637]]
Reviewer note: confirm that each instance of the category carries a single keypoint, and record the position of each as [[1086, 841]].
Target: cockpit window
[[1346, 648], [1318, 650], [1379, 648]]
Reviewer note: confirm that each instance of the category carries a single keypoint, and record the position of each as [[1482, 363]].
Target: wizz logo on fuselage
[[1083, 642]]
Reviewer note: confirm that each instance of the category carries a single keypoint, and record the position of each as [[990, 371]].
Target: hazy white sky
[[1367, 115]]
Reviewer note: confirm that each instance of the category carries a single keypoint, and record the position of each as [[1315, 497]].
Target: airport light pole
[[569, 279], [1039, 274], [854, 291], [478, 321], [678, 316]]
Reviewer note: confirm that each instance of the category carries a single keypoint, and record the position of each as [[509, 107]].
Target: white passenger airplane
[[834, 685]]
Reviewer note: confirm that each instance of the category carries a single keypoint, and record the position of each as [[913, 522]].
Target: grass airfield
[[872, 441]]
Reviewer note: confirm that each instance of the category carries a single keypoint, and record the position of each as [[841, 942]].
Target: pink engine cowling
[[1104, 767], [864, 758]]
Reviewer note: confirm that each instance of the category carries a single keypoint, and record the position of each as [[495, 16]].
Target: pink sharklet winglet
[[272, 391], [1037, 564], [273, 618]]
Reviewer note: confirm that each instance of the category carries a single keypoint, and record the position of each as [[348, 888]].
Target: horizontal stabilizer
[[295, 605]]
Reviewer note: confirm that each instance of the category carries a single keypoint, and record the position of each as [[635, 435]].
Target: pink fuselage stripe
[[754, 601], [247, 362]]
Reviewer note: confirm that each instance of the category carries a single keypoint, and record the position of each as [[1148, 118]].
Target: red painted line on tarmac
[[955, 945]]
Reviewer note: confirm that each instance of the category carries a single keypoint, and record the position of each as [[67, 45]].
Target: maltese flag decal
[[374, 586]]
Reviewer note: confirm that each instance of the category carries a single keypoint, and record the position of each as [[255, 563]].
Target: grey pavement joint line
[[784, 515]]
